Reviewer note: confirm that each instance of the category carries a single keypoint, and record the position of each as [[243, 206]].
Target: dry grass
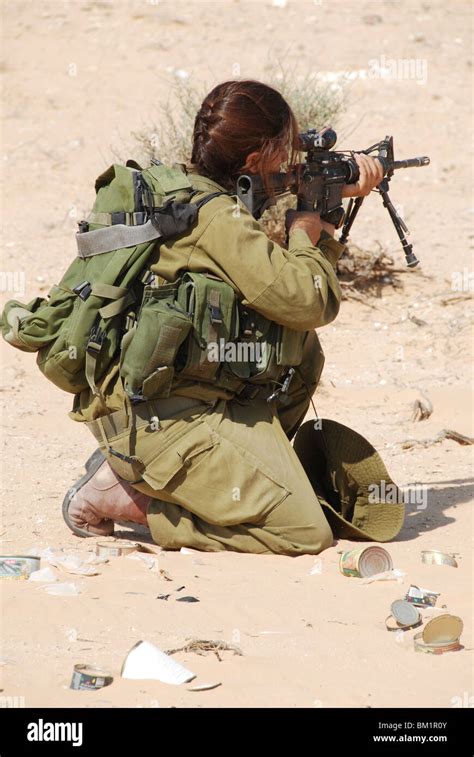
[[365, 270], [314, 103]]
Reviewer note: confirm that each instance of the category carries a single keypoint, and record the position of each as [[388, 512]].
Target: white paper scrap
[[145, 661]]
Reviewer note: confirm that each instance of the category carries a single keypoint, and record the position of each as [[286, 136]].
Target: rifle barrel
[[411, 162]]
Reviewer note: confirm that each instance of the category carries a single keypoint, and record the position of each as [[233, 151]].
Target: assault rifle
[[319, 181]]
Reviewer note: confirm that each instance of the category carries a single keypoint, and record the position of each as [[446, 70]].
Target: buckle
[[83, 290], [147, 278], [96, 340], [118, 217], [216, 313], [250, 391], [281, 393]]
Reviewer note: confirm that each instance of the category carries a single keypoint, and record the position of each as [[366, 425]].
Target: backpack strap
[[91, 243], [202, 202]]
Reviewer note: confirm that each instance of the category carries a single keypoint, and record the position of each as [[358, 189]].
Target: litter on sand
[[44, 575], [18, 566], [435, 557], [202, 646], [90, 678], [405, 615], [145, 661], [151, 561], [204, 687], [368, 561], [387, 575], [421, 597], [116, 548], [62, 590], [76, 563], [440, 635]]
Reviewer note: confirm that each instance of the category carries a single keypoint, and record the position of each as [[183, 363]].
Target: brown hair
[[235, 119]]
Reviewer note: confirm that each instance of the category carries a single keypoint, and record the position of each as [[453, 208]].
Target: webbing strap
[[206, 199], [215, 316], [165, 348], [109, 219], [114, 308], [108, 291], [96, 242], [91, 361]]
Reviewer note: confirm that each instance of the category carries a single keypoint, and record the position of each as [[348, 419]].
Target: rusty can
[[361, 563], [90, 677], [18, 566]]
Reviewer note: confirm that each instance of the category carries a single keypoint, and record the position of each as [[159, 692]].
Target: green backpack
[[77, 330]]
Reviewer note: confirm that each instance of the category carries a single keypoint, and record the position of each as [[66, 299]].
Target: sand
[[78, 78]]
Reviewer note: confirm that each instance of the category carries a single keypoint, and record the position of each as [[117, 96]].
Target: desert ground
[[78, 78]]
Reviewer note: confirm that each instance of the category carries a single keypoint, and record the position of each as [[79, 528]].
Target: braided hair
[[235, 119]]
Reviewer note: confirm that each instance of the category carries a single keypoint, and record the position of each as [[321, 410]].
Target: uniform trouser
[[227, 477]]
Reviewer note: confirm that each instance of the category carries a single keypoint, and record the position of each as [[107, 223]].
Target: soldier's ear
[[252, 163]]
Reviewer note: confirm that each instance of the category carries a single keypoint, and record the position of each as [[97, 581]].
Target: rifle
[[319, 181]]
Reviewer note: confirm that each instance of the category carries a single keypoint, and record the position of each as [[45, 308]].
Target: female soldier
[[216, 468]]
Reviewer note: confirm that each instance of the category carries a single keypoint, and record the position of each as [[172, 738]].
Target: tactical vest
[[196, 329]]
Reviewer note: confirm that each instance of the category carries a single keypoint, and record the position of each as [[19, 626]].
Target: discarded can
[[116, 549], [89, 677], [421, 597], [441, 634], [360, 563], [404, 614], [435, 557], [18, 566]]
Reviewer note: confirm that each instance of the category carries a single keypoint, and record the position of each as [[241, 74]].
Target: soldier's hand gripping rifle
[[320, 180]]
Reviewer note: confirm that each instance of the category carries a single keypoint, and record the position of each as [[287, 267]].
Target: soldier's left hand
[[371, 174]]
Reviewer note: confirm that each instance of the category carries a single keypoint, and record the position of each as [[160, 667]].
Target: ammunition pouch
[[196, 329]]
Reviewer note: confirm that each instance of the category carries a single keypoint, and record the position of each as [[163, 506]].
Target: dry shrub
[[365, 270]]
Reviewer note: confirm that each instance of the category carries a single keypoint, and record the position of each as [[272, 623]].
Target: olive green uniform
[[221, 470]]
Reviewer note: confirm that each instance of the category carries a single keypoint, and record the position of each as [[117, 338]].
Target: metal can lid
[[90, 670], [20, 557], [436, 557], [445, 629], [374, 560], [404, 613]]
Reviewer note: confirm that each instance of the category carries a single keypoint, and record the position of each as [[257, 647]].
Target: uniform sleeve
[[297, 287]]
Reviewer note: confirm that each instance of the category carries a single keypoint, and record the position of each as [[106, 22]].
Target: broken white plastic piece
[[387, 575], [45, 575], [145, 661], [62, 590]]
